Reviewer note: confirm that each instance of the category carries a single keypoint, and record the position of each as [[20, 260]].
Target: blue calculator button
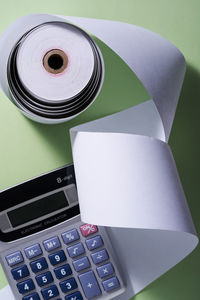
[[63, 271], [89, 284], [68, 285], [99, 256], [81, 264], [39, 265], [44, 279], [26, 286], [20, 272], [33, 251], [52, 244], [111, 284], [76, 296], [94, 242], [70, 236], [33, 296], [57, 257], [76, 250], [50, 292], [105, 270], [14, 258]]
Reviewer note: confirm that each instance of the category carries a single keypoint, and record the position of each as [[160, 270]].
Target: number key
[[68, 285], [63, 271], [50, 292], [33, 296], [44, 279], [39, 265], [26, 286], [57, 258], [20, 272]]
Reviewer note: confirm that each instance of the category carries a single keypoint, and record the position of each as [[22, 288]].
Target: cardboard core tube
[[55, 61]]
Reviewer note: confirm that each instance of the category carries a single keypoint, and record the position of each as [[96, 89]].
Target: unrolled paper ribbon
[[126, 175]]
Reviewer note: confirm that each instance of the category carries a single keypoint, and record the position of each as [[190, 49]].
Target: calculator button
[[70, 236], [33, 251], [39, 265], [50, 292], [74, 296], [26, 286], [111, 284], [14, 258], [33, 296], [94, 242], [20, 272], [68, 285], [52, 244], [81, 264], [76, 250], [88, 229], [44, 279], [105, 270], [89, 284], [99, 256], [63, 271], [57, 257]]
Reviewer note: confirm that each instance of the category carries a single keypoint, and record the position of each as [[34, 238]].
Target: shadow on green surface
[[182, 282]]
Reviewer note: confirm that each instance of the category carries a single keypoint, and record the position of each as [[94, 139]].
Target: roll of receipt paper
[[126, 175], [54, 72]]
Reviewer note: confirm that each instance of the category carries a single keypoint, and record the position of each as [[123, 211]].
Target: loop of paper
[[126, 175]]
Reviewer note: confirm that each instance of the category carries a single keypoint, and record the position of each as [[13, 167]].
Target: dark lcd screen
[[37, 209]]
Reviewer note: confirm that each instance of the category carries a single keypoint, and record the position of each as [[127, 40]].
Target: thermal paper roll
[[54, 71]]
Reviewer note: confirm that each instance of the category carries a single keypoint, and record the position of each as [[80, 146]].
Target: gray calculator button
[[33, 251], [94, 243], [70, 236], [52, 244], [111, 284], [81, 264], [89, 284], [99, 256], [76, 250], [105, 270], [14, 258]]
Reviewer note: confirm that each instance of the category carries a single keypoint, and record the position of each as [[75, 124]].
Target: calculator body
[[46, 251]]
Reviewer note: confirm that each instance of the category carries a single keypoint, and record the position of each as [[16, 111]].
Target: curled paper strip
[[126, 175]]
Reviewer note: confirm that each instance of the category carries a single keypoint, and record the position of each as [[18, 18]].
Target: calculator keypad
[[72, 265]]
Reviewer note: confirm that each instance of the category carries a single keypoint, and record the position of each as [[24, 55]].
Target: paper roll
[[55, 71], [126, 175]]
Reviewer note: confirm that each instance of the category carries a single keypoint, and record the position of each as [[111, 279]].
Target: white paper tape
[[54, 70], [126, 174], [125, 171]]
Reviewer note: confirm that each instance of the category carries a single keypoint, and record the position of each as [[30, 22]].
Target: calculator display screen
[[37, 209]]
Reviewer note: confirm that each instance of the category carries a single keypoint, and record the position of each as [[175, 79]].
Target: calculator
[[46, 251]]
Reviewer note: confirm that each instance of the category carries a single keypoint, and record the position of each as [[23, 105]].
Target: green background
[[28, 149]]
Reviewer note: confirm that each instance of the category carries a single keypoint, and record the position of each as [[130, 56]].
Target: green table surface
[[28, 149]]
